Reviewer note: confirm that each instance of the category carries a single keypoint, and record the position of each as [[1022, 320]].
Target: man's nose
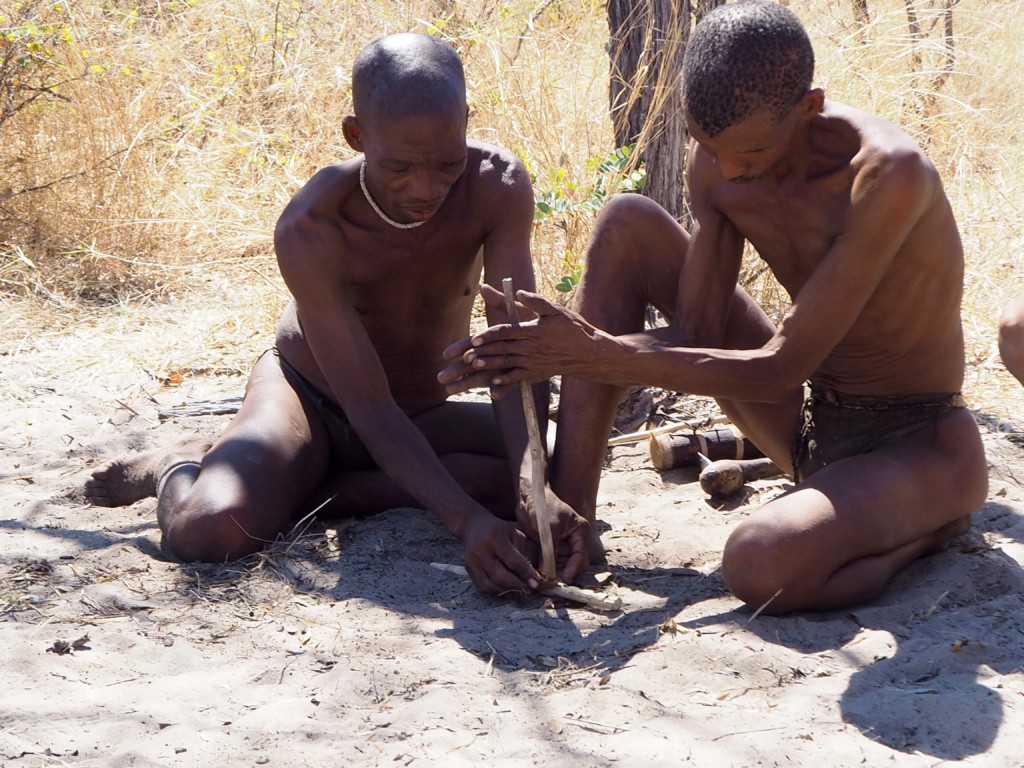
[[428, 187], [732, 167]]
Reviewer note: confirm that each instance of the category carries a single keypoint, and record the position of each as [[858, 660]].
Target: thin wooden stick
[[547, 545], [564, 591], [634, 437]]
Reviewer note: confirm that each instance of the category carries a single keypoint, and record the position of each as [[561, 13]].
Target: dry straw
[[163, 140]]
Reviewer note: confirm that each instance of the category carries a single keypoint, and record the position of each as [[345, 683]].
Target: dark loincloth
[[834, 425], [347, 448]]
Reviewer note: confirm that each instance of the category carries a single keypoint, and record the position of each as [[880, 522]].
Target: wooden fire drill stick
[[548, 568]]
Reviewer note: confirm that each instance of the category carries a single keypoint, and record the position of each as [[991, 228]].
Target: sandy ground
[[345, 647]]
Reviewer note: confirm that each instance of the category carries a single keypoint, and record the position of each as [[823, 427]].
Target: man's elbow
[[780, 378]]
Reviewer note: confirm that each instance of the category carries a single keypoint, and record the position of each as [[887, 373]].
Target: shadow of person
[[930, 651], [956, 625], [388, 560]]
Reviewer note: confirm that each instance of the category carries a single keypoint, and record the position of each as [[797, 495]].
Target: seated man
[[382, 254], [1011, 337], [853, 221]]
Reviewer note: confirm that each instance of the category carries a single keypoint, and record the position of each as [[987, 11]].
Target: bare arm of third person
[[309, 242]]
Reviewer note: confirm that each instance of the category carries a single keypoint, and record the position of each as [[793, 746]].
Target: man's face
[[751, 149], [413, 161]]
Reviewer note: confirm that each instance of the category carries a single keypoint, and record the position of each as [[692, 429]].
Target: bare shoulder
[[495, 170], [323, 194], [701, 174], [313, 215], [887, 158]]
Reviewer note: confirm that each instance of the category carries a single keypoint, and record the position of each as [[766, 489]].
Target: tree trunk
[[861, 14], [646, 46], [707, 5]]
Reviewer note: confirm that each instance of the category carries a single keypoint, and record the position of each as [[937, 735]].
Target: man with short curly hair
[[744, 59], [854, 390]]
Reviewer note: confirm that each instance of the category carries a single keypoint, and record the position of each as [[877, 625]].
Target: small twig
[[305, 521], [764, 605], [563, 591], [578, 595], [744, 733], [634, 437]]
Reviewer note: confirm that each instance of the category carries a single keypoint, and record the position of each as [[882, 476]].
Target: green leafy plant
[[566, 199], [569, 282]]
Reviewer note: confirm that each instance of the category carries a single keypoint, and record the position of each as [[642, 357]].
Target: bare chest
[[791, 230], [409, 282]]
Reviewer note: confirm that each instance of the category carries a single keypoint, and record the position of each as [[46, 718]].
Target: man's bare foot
[[125, 481]]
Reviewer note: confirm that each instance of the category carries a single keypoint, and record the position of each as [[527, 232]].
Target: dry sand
[[345, 647]]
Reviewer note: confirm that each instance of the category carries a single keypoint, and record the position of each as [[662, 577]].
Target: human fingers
[[517, 563], [495, 299], [501, 354], [477, 380], [493, 334], [492, 296], [579, 557], [494, 576], [456, 350], [495, 562], [455, 370], [537, 305], [507, 380]]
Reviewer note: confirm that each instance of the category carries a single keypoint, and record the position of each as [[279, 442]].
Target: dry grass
[[152, 179]]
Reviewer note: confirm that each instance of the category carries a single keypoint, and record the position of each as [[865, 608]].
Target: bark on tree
[[860, 13], [647, 40], [929, 80]]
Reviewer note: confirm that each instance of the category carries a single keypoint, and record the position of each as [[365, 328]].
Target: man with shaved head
[[382, 254], [854, 390]]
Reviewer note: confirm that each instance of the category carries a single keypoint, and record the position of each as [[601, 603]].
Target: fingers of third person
[[456, 381]]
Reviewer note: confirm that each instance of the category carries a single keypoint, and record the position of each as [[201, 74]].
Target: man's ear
[[353, 132], [813, 102]]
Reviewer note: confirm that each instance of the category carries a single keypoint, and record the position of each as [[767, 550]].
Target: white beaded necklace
[[376, 208]]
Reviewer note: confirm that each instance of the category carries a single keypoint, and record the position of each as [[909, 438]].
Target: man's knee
[[753, 564], [626, 217], [211, 536]]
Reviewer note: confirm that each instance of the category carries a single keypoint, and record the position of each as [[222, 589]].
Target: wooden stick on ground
[[548, 568], [564, 591], [635, 437]]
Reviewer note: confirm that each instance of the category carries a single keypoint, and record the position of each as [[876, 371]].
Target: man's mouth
[[421, 212]]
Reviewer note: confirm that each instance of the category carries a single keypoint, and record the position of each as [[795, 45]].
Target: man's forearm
[[642, 359], [403, 453]]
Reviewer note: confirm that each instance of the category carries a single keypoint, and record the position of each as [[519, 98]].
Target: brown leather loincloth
[[834, 425], [347, 448]]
